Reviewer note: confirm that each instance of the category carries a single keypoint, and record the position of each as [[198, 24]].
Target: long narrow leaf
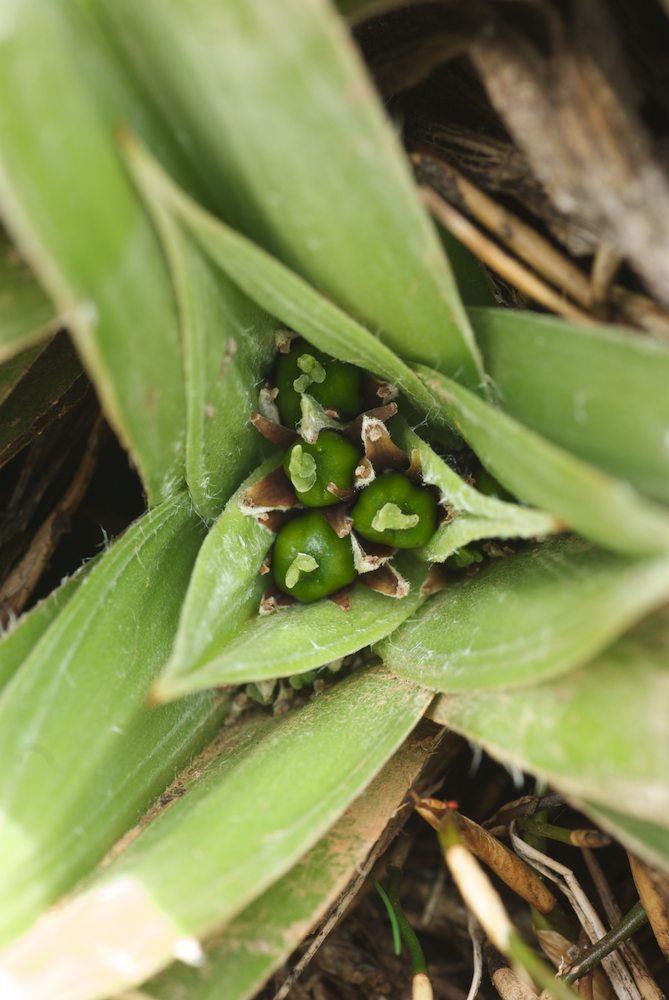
[[227, 344], [242, 957], [273, 100], [225, 588], [17, 367], [261, 805], [53, 71], [597, 391], [526, 618], [606, 510], [83, 757], [26, 314], [278, 290], [18, 642], [300, 638], [599, 733]]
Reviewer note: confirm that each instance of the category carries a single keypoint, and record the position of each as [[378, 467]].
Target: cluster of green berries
[[309, 559]]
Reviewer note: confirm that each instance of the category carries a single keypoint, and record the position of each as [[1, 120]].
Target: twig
[[564, 878], [492, 255], [629, 924]]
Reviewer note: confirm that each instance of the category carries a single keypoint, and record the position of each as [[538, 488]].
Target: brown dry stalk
[[497, 260], [653, 888], [570, 109], [522, 239], [506, 865]]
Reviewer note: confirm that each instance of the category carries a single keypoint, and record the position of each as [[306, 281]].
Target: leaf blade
[[337, 745], [599, 733], [526, 618], [231, 80], [585, 388], [606, 510]]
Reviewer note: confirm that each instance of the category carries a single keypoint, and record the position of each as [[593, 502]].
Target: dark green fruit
[[310, 467], [309, 560], [333, 384], [394, 511]]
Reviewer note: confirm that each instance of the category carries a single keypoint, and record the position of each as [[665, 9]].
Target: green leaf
[[279, 291], [26, 315], [598, 391], [225, 588], [272, 101], [649, 841], [474, 516], [269, 797], [599, 734], [228, 344], [526, 617], [241, 958], [52, 385], [83, 755], [606, 510], [94, 250], [297, 639], [18, 641]]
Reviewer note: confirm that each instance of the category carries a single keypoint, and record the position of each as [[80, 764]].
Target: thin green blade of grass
[[26, 314], [526, 618], [608, 511], [241, 958], [649, 841], [23, 635], [297, 639], [600, 392], [83, 754], [228, 344], [274, 101], [259, 807], [57, 123], [599, 733]]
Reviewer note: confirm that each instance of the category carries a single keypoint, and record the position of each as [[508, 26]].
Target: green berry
[[393, 511], [334, 384], [309, 560], [310, 467]]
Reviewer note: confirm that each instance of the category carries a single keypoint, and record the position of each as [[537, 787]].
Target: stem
[[418, 963], [629, 924]]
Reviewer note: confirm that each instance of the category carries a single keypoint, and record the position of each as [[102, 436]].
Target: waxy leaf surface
[[599, 733], [276, 111], [606, 510], [267, 799], [84, 756], [526, 617], [241, 958], [600, 392]]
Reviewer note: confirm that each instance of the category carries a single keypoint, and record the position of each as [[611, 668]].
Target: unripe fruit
[[311, 467], [309, 559], [393, 511], [333, 384]]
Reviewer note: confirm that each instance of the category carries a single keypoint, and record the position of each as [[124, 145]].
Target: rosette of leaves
[[186, 184]]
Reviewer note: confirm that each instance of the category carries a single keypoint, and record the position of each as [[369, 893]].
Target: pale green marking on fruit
[[302, 469], [391, 518], [313, 371], [302, 563]]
